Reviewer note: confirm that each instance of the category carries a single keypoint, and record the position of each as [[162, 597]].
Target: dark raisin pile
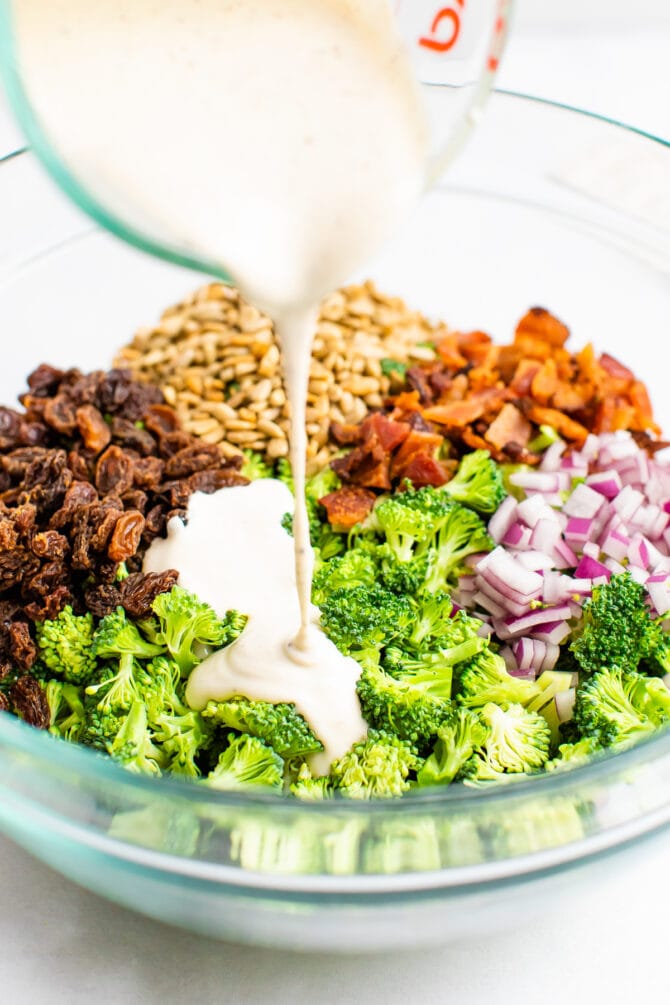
[[91, 470]]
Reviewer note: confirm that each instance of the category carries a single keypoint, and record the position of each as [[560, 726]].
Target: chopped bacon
[[474, 346], [461, 413], [422, 469], [524, 376], [386, 431], [345, 435], [614, 368], [348, 506], [418, 442], [640, 401], [366, 465], [447, 350], [538, 324], [509, 426], [563, 424]]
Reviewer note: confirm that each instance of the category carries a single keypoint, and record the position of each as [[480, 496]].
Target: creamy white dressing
[[234, 553], [284, 140]]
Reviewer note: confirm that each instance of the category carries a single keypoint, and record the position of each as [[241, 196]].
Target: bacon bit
[[460, 413], [538, 324], [345, 435], [640, 400], [387, 432], [563, 424], [524, 376], [422, 469], [615, 369], [418, 379], [569, 398], [474, 346], [545, 382], [510, 426], [366, 465], [418, 442], [447, 350], [404, 404], [348, 506]]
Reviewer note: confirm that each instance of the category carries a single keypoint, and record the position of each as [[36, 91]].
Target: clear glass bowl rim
[[95, 767]]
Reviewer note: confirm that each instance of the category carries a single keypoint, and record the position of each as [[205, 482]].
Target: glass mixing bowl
[[548, 206]]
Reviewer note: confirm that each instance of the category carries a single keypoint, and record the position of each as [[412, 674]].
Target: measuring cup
[[454, 48]]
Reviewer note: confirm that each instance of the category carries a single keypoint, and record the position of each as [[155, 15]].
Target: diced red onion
[[514, 627], [551, 654], [536, 561], [480, 599], [607, 483], [591, 549], [658, 589], [502, 519], [583, 502], [524, 652], [504, 572], [591, 568], [564, 555], [553, 632], [627, 502], [533, 509]]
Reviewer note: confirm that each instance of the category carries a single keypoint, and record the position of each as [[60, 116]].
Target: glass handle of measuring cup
[[455, 48]]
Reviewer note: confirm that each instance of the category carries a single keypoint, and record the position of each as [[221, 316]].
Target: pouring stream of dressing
[[285, 139]]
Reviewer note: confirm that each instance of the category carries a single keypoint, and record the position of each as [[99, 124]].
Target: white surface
[[64, 946]]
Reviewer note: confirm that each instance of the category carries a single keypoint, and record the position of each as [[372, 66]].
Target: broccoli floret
[[517, 742], [485, 679], [309, 788], [280, 726], [255, 466], [478, 483], [355, 568], [611, 707], [404, 524], [118, 639], [378, 766], [616, 629], [457, 740], [247, 761], [189, 628], [435, 623], [652, 697], [362, 619], [66, 709], [461, 533], [658, 659], [410, 712], [65, 645], [133, 745], [571, 755], [401, 577]]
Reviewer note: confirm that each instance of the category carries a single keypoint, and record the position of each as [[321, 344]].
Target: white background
[[59, 944]]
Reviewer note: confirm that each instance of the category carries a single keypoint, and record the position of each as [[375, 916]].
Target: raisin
[[102, 519], [10, 424], [161, 419], [133, 437], [45, 581], [45, 380], [102, 600], [22, 649], [59, 413], [8, 535], [126, 537], [33, 434], [135, 499], [114, 471], [154, 524], [172, 443], [29, 702], [81, 466], [213, 480], [196, 457], [148, 472], [51, 605], [14, 566], [50, 544], [139, 591], [114, 389], [93, 429]]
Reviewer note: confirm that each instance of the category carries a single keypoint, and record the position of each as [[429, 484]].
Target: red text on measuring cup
[[445, 28]]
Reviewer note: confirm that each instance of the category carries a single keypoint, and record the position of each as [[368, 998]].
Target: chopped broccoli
[[361, 619], [133, 745], [478, 483], [404, 524], [118, 639], [247, 761], [457, 740], [485, 679], [66, 709], [309, 788], [436, 623], [355, 568], [617, 629], [571, 755], [189, 628], [65, 645], [255, 466], [396, 706], [280, 726], [611, 707], [517, 742], [376, 767]]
